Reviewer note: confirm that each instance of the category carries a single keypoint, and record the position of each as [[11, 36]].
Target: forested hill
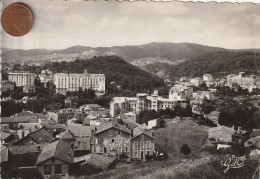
[[218, 64], [114, 68]]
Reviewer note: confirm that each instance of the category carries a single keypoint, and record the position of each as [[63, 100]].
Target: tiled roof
[[137, 131], [19, 119], [4, 135], [23, 149], [38, 136], [99, 161], [67, 135], [80, 130], [112, 124], [26, 114], [50, 124], [57, 149]]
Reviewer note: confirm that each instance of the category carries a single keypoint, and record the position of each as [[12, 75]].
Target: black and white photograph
[[130, 90]]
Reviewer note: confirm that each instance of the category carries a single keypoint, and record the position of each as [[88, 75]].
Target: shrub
[[185, 149]]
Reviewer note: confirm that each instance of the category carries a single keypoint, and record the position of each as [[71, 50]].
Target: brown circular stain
[[17, 19]]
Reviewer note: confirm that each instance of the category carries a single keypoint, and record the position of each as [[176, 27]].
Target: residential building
[[7, 86], [200, 95], [29, 89], [55, 160], [84, 136], [196, 81], [112, 138], [251, 81], [22, 78], [37, 137], [179, 91], [142, 143], [74, 82], [207, 77], [90, 107], [142, 102]]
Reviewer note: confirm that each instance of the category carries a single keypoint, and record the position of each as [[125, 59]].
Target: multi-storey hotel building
[[22, 78], [73, 82]]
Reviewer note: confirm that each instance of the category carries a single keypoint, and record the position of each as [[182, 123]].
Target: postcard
[[120, 89]]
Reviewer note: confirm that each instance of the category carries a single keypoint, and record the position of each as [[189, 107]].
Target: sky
[[59, 24]]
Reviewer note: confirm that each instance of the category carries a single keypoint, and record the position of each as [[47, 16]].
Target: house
[[26, 128], [29, 89], [13, 122], [84, 139], [112, 138], [55, 160], [156, 123], [52, 126], [142, 143], [221, 134], [37, 137], [6, 137], [90, 107], [24, 155]]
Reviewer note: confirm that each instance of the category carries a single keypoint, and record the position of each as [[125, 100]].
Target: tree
[[185, 149]]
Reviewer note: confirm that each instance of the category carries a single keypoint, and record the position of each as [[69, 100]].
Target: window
[[142, 144], [97, 140], [135, 153], [148, 144], [118, 132], [119, 140], [126, 149], [47, 170], [110, 132], [112, 140], [148, 152], [142, 137], [58, 169], [136, 145], [120, 149]]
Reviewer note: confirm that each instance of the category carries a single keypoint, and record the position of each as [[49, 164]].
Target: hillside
[[173, 52], [218, 64], [114, 68]]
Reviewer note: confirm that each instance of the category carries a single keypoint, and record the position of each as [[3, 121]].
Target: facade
[[112, 139], [55, 159], [73, 82], [196, 81], [29, 89], [242, 80], [207, 77], [22, 78], [179, 91], [142, 102], [142, 144], [7, 86]]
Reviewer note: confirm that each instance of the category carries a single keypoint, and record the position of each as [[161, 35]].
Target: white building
[[196, 81], [141, 102], [179, 91], [207, 77], [242, 80], [73, 82], [22, 78]]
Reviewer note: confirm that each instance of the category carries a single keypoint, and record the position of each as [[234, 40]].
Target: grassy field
[[169, 139]]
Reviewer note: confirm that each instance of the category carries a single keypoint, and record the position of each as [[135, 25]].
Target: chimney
[[22, 134], [153, 133], [39, 148], [132, 132]]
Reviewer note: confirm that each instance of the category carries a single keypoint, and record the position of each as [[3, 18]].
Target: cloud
[[60, 24]]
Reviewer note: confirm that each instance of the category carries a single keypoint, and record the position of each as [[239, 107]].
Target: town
[[69, 124]]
